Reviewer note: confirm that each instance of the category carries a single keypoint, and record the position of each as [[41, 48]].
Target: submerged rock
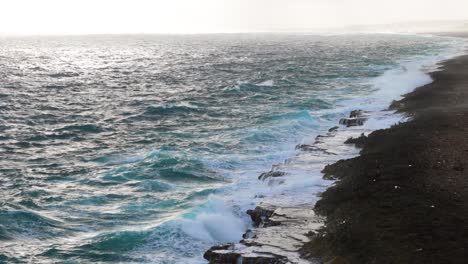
[[352, 121], [271, 174], [356, 118], [356, 113], [333, 129], [305, 147]]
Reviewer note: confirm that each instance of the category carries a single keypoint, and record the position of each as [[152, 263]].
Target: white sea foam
[[303, 180], [126, 160], [267, 83], [217, 223]]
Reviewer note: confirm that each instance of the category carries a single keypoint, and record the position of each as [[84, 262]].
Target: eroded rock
[[278, 243], [261, 216], [356, 118], [222, 254]]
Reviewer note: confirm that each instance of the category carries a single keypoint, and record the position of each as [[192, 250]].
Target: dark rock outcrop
[[277, 238], [222, 254], [310, 148], [261, 216], [358, 141], [270, 174], [356, 118]]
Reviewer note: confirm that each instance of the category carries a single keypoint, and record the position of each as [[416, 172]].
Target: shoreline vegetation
[[402, 200]]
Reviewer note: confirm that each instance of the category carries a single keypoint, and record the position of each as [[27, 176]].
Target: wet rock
[[266, 259], [222, 254], [270, 174], [323, 136], [276, 243], [305, 147], [261, 215], [396, 105], [249, 234], [250, 242], [222, 247], [352, 121], [356, 113], [356, 118], [228, 255], [358, 142], [333, 129]]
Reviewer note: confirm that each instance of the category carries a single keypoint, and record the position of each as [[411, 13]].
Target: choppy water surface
[[148, 148]]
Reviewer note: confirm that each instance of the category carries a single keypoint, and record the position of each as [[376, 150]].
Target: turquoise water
[[147, 148]]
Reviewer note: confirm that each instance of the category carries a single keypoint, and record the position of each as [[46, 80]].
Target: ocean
[[148, 148]]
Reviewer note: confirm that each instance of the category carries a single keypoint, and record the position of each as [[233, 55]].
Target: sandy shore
[[405, 198]]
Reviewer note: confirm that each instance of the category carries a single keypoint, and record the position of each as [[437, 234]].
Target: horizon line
[[350, 29]]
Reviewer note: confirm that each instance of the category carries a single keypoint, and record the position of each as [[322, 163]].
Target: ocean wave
[[269, 83], [311, 104], [281, 127], [186, 173], [170, 109], [108, 247], [116, 241], [99, 200], [303, 116], [27, 224], [151, 186], [213, 222], [64, 75], [249, 88], [51, 136], [85, 128], [160, 168]]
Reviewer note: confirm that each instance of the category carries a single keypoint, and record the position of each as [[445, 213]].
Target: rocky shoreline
[[276, 237], [402, 200], [280, 232], [405, 198]]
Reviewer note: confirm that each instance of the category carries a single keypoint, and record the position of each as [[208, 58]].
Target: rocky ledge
[[277, 237]]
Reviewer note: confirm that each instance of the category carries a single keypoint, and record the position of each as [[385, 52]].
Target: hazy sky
[[200, 16]]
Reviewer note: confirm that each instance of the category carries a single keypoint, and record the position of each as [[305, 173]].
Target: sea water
[[147, 148]]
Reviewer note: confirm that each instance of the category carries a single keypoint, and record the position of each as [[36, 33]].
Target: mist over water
[[147, 148]]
